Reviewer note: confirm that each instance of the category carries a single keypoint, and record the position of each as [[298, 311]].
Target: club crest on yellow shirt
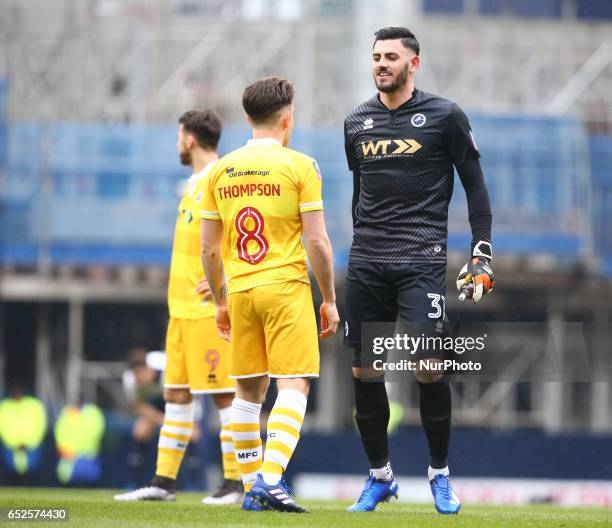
[[188, 216]]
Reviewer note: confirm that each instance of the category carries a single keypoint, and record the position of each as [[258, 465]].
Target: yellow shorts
[[196, 357], [274, 332]]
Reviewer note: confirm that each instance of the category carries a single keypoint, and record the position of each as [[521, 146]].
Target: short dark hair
[[265, 97], [204, 125], [393, 32], [137, 357]]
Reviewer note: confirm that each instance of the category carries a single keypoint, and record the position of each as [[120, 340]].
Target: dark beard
[[401, 80], [185, 158]]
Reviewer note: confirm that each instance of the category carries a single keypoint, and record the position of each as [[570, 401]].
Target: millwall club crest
[[368, 124], [418, 120]]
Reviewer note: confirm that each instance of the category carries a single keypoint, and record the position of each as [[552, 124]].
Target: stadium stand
[[65, 181], [581, 9]]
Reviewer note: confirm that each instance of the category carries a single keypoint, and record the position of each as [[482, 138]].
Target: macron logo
[[368, 124]]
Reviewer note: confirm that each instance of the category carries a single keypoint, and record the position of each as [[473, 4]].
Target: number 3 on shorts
[[439, 305], [250, 225]]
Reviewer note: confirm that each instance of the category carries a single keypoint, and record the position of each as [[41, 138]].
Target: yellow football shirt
[[259, 191], [186, 270]]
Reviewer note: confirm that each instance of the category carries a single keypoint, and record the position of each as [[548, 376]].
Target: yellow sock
[[174, 438], [284, 427], [228, 456], [247, 439]]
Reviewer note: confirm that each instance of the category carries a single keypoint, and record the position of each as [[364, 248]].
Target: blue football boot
[[251, 503], [374, 491], [276, 496], [445, 499]]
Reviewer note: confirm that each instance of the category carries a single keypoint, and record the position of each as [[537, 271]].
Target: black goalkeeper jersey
[[402, 162]]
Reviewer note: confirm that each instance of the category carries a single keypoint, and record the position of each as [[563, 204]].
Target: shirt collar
[[196, 176], [416, 98], [263, 141], [192, 181]]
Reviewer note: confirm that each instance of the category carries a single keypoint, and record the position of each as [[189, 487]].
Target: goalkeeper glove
[[476, 279]]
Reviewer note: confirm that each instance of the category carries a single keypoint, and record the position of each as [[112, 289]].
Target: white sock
[[174, 438], [383, 473], [432, 472], [228, 457], [284, 428], [225, 415], [247, 439], [178, 422], [179, 412]]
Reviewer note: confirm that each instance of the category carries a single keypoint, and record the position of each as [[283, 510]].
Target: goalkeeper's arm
[[479, 211]]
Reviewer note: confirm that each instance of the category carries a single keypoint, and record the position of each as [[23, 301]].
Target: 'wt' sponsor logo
[[390, 147]]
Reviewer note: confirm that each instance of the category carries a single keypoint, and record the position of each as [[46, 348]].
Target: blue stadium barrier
[[3, 127], [443, 7], [523, 8], [514, 453], [3, 96], [117, 447], [594, 9], [585, 9], [601, 171], [85, 193]]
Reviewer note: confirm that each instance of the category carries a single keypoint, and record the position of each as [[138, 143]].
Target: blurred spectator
[[144, 391], [23, 423], [78, 436], [143, 386]]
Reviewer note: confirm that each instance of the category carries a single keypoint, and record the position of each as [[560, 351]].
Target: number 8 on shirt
[[259, 192]]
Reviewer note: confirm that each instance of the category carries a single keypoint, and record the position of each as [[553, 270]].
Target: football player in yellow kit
[[260, 200], [197, 359]]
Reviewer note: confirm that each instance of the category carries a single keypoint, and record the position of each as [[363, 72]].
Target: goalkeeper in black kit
[[401, 146]]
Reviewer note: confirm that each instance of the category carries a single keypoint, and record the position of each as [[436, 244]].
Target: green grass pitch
[[96, 508]]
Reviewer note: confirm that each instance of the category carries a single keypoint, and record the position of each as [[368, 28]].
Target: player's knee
[[223, 400], [182, 396], [300, 384], [252, 389], [366, 373], [428, 375]]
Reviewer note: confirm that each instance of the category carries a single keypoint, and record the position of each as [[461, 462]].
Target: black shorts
[[385, 293]]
